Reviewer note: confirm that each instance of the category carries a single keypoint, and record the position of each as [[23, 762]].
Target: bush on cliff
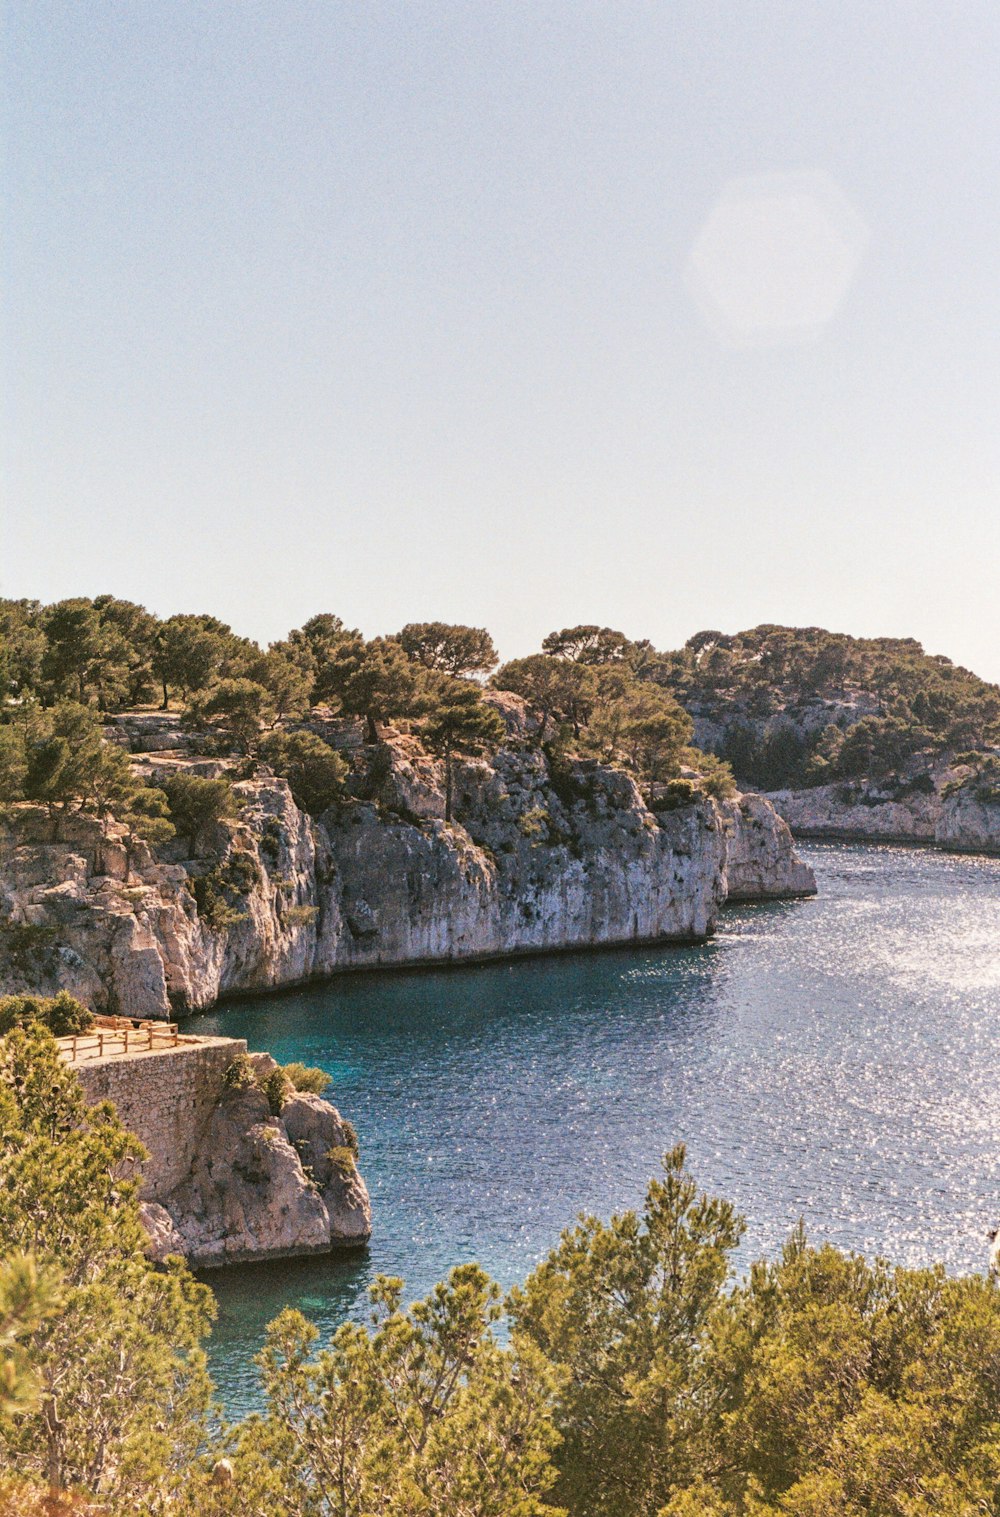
[[196, 804], [315, 772], [61, 1014], [307, 1078], [715, 776]]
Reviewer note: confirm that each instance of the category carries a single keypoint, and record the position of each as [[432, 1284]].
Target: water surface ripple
[[831, 1059]]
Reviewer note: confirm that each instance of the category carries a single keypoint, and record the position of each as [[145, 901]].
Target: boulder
[[164, 1239]]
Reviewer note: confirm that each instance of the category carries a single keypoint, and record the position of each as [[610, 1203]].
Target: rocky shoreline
[[232, 1174], [943, 813], [542, 856], [538, 859]]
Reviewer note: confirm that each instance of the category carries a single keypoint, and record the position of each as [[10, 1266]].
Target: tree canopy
[[452, 649], [782, 705], [632, 1374]]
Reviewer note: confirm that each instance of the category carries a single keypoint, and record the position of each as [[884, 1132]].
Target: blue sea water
[[832, 1059]]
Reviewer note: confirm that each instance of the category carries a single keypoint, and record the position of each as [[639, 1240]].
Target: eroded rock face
[[164, 1239], [325, 1146], [948, 812], [258, 1191], [859, 811], [536, 858], [761, 862], [969, 824]]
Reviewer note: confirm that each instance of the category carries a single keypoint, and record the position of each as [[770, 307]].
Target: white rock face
[[534, 860], [847, 811], [323, 1143], [761, 863], [527, 868], [951, 815], [164, 1239], [968, 824], [224, 1179], [262, 1186]]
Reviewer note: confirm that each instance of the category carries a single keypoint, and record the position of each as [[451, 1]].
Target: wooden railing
[[117, 1036]]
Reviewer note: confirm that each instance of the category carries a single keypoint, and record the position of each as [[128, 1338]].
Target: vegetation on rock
[[890, 703], [307, 1078], [120, 1396], [62, 1014], [777, 706]]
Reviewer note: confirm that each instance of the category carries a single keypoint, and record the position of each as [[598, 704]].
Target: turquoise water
[[832, 1059]]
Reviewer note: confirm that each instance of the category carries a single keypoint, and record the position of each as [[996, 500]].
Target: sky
[[665, 316]]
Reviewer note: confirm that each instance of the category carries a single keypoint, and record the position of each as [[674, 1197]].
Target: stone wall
[[225, 1180], [167, 1098]]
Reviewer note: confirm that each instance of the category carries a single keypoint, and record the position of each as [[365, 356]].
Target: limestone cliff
[[863, 811], [761, 862], [227, 1180], [951, 810], [538, 857]]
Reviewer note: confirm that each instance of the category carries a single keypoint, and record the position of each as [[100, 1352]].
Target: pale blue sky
[[387, 309]]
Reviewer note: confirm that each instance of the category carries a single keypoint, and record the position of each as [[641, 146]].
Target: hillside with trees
[[790, 706], [67, 670], [776, 706]]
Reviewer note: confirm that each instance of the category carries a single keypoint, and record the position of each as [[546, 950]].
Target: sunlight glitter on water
[[832, 1059]]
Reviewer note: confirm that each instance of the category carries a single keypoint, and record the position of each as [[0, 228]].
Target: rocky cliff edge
[[539, 857]]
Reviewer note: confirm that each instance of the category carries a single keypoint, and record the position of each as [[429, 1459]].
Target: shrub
[[62, 1014], [677, 793], [350, 1136], [277, 1087], [307, 1078], [299, 916], [342, 1160], [218, 892], [715, 776], [534, 823], [26, 945], [241, 1074], [315, 772]]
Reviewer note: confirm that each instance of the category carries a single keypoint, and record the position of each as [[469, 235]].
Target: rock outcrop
[[227, 1180], [969, 821], [948, 810], [761, 862], [264, 1187], [538, 857], [856, 811]]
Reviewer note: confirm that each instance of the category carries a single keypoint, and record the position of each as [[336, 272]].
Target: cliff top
[[107, 1042]]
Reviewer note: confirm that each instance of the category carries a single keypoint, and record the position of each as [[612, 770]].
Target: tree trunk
[[166, 697], [447, 784], [372, 728], [53, 1462]]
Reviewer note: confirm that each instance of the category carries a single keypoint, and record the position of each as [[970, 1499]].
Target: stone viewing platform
[[123, 1037], [232, 1174]]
